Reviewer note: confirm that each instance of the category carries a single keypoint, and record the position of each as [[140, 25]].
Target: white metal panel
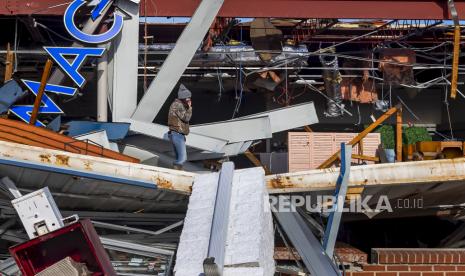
[[233, 149], [146, 157], [246, 146], [165, 178], [229, 150], [290, 117], [125, 63], [194, 140], [237, 130], [99, 138], [177, 61]]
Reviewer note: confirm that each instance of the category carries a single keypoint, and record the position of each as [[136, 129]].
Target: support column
[[102, 88], [125, 61]]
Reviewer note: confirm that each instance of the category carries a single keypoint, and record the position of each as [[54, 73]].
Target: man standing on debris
[[178, 121]]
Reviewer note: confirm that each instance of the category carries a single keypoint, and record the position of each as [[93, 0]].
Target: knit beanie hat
[[183, 92]]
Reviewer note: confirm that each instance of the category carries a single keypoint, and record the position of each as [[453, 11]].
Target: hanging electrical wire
[[446, 99], [313, 88], [220, 83], [47, 29], [145, 46], [239, 99], [50, 7]]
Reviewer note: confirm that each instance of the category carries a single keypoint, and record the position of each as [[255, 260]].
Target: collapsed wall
[[249, 246]]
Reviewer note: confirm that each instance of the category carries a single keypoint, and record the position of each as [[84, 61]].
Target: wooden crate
[[307, 150]]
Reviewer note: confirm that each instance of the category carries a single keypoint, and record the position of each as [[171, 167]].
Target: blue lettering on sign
[[48, 106], [97, 11], [76, 55], [74, 31], [72, 68]]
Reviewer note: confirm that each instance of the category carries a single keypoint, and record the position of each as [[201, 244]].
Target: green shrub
[[410, 135], [387, 136]]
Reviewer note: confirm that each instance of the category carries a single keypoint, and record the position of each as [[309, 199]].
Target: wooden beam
[[308, 129], [40, 93], [364, 157], [360, 136], [455, 62], [256, 162], [399, 134], [10, 58]]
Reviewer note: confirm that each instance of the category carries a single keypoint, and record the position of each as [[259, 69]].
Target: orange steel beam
[[22, 133], [353, 9]]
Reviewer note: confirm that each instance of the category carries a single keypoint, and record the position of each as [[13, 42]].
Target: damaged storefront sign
[[70, 59]]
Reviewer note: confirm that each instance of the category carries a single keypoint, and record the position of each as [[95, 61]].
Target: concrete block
[[195, 236], [249, 247]]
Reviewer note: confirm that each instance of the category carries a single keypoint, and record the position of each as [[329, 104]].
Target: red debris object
[[78, 241]]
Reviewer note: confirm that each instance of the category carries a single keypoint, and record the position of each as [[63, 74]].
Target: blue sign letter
[[90, 38], [97, 11], [24, 111], [72, 68]]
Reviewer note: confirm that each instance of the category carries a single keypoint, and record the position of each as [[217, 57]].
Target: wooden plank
[[256, 162], [308, 129], [360, 147], [360, 136], [364, 157], [455, 63], [40, 93], [399, 135], [9, 63]]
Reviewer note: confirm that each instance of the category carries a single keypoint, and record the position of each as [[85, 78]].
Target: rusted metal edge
[[405, 173], [95, 167]]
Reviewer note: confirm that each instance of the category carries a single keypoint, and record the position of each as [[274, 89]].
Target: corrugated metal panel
[[307, 150]]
